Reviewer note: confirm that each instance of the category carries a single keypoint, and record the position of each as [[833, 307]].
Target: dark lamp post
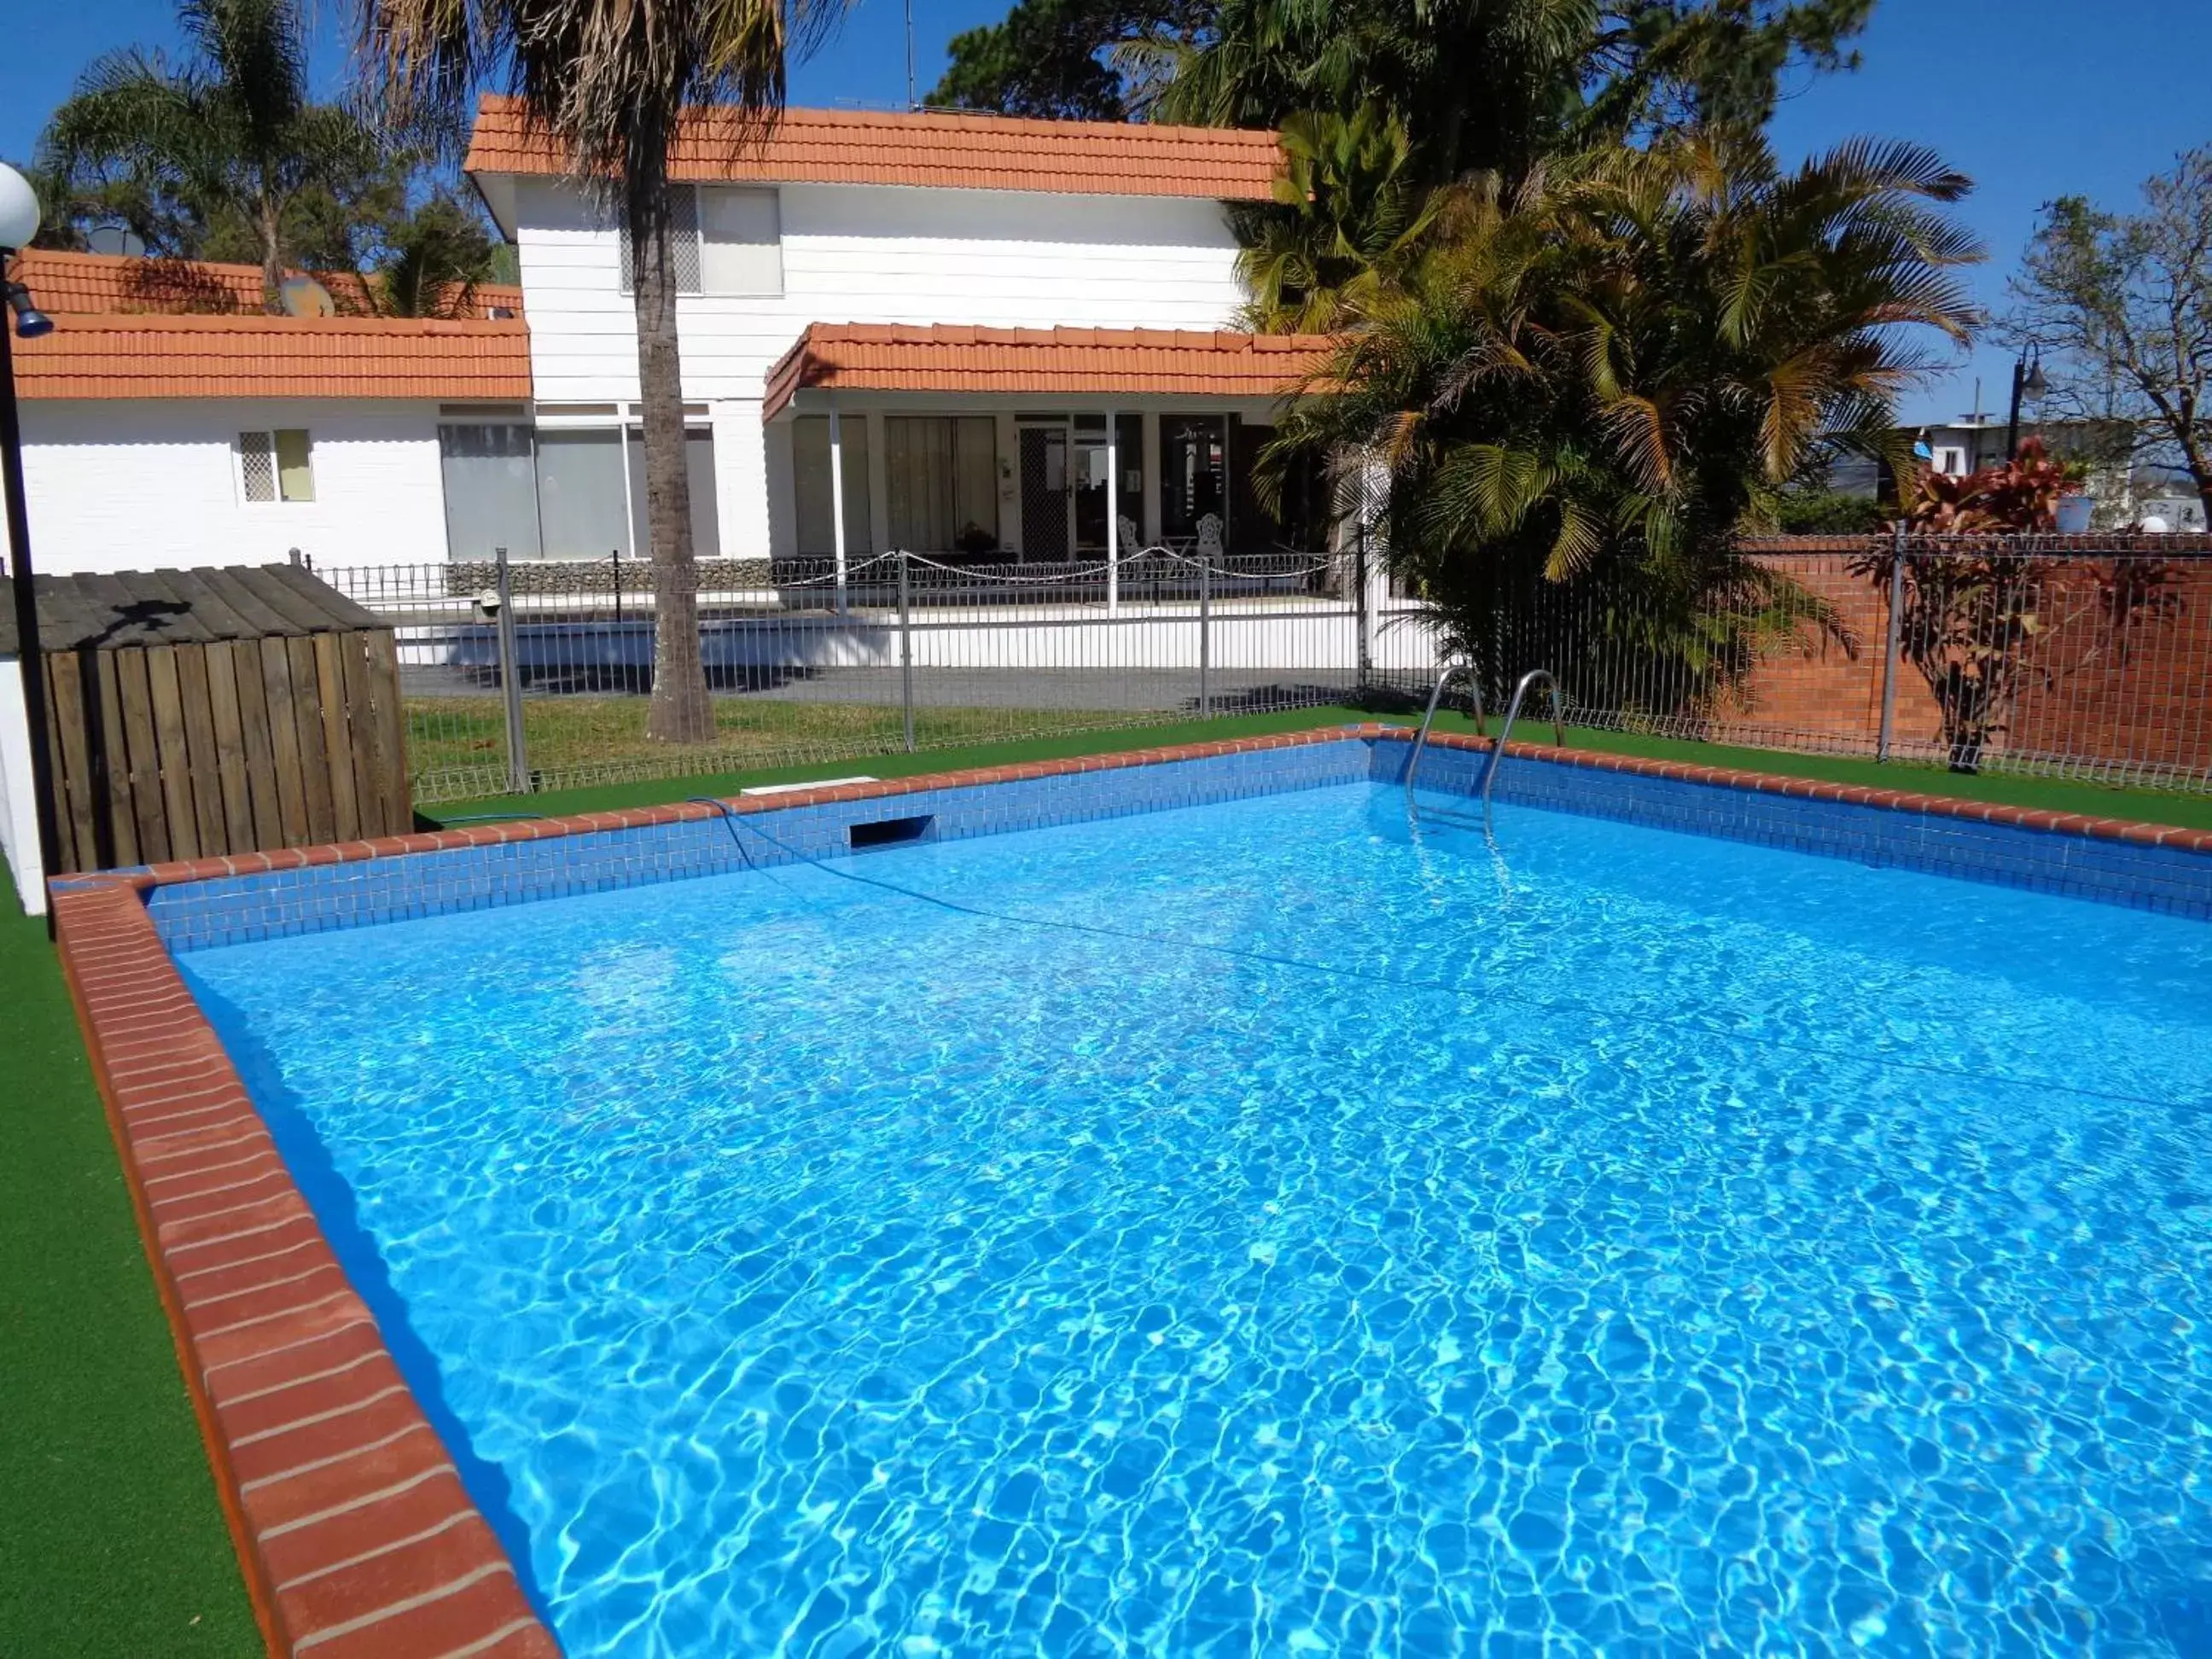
[[19, 223]]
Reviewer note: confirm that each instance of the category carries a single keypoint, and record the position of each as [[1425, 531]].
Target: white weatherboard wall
[[128, 484], [870, 253], [19, 813]]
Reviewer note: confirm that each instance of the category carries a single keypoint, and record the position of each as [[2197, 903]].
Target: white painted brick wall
[[133, 484]]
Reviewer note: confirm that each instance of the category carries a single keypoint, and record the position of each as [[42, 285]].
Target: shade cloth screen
[[491, 490], [810, 462], [943, 474]]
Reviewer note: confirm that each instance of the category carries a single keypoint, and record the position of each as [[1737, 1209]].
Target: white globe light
[[18, 208]]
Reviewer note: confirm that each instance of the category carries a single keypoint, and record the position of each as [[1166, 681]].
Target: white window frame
[[275, 470], [714, 204]]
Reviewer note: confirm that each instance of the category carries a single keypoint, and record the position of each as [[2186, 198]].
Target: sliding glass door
[[1064, 484]]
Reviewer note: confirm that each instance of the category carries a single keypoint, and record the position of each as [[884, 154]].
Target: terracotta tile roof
[[259, 357], [963, 152], [93, 282], [893, 357]]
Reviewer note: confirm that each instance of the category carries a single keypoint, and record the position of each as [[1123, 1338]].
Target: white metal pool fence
[[2065, 658], [534, 677]]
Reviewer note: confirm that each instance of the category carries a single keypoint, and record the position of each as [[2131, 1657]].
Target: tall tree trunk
[[680, 711], [2199, 466], [272, 257]]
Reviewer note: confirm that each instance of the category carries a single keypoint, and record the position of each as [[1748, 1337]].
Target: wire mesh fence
[[901, 653], [2058, 658]]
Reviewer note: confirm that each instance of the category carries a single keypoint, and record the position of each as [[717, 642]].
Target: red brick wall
[[2132, 695], [2124, 686]]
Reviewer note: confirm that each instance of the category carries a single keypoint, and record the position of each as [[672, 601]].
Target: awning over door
[[1091, 363]]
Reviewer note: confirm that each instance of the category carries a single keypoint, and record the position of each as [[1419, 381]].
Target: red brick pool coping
[[351, 1524]]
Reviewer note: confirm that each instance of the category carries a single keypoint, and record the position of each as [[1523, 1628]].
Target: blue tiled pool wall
[[2172, 880], [231, 910], [234, 909]]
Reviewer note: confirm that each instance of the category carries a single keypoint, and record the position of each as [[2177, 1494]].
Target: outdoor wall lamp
[[30, 321]]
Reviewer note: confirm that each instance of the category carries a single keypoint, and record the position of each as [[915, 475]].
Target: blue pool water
[[1628, 1242]]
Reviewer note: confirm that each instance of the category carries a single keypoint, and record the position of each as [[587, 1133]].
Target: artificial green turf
[[110, 1538], [2094, 800]]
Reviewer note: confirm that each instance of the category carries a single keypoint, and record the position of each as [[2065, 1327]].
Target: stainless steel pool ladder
[[1498, 751], [1512, 713], [1421, 737]]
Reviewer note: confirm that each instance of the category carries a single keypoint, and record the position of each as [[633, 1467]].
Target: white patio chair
[[1128, 544], [1209, 537]]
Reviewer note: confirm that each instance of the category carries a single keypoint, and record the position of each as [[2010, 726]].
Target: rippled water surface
[[1630, 1242]]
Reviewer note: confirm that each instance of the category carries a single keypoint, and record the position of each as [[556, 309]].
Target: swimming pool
[[1295, 1234]]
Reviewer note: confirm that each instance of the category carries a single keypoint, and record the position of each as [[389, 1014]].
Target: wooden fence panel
[[229, 744], [314, 758], [382, 655], [275, 670], [144, 767], [360, 722], [101, 681], [200, 742], [260, 751], [337, 740], [72, 764], [174, 759], [178, 751]]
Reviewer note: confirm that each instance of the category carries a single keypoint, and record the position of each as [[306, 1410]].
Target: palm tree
[[431, 263], [1611, 372], [1348, 220], [1499, 85], [228, 135], [610, 83]]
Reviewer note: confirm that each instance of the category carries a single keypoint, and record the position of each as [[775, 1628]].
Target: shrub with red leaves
[[2016, 495]]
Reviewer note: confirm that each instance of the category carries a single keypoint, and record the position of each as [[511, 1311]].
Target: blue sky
[[2039, 98]]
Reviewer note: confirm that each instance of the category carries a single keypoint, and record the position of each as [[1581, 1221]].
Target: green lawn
[[111, 1539], [2194, 811], [455, 744]]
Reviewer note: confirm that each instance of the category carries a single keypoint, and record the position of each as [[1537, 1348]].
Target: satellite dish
[[115, 239], [2155, 525], [303, 296]]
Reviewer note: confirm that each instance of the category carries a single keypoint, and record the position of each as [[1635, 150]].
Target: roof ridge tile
[[1073, 361], [926, 147]]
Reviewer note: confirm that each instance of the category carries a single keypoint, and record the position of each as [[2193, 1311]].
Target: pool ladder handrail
[[1512, 713], [1436, 695]]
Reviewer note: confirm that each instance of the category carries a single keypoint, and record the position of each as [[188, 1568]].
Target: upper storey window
[[723, 240]]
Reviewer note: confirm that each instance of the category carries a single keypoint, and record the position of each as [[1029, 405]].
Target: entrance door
[[1090, 491], [1045, 506]]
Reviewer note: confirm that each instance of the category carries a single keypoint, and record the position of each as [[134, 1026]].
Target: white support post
[[630, 496], [1113, 511], [837, 500]]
